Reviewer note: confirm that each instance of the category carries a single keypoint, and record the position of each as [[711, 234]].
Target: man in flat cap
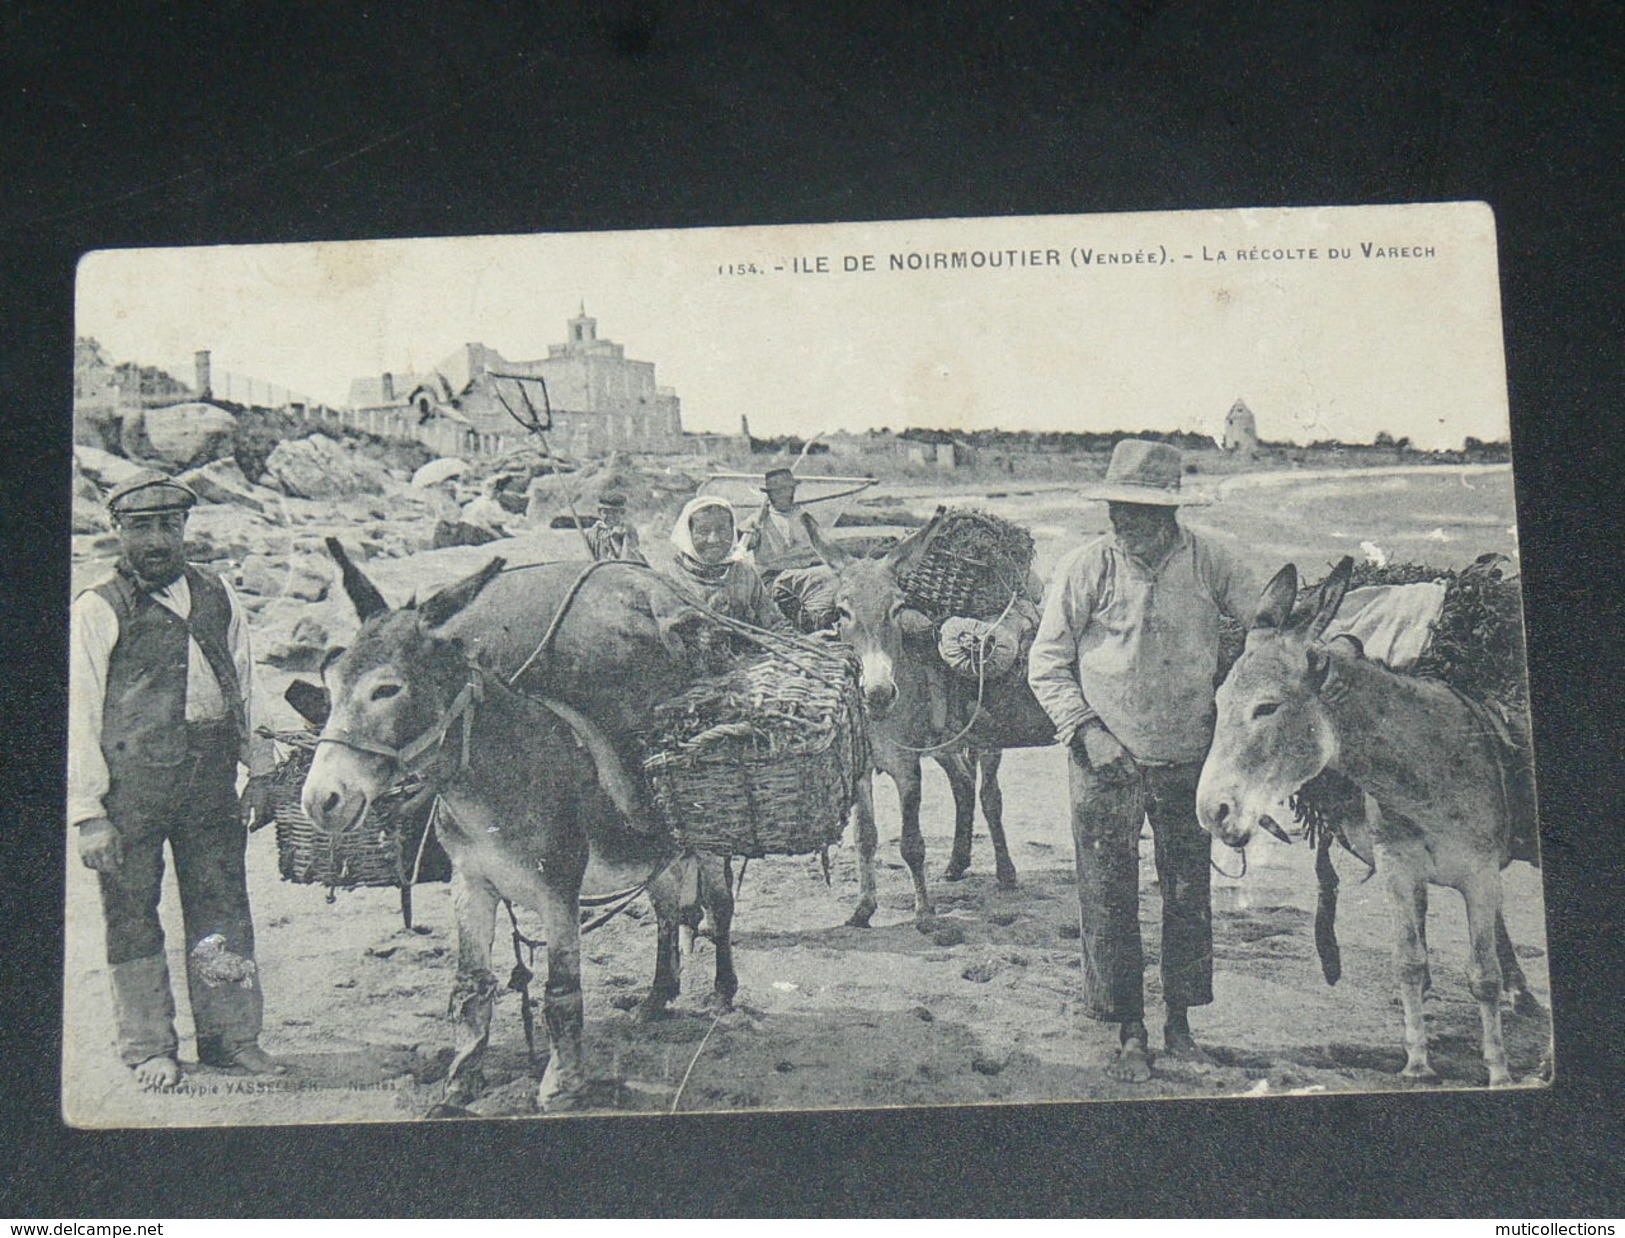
[[1124, 663], [776, 535], [612, 537], [160, 686]]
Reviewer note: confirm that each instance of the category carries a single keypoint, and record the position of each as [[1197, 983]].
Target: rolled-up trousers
[[1106, 821], [192, 806]]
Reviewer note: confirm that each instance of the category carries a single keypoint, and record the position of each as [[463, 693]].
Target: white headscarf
[[682, 538]]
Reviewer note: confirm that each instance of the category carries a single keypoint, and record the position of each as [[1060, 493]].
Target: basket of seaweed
[[763, 760], [390, 846], [972, 564], [1476, 646]]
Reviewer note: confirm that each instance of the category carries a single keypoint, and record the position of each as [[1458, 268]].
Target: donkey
[[898, 685], [1429, 762], [532, 809]]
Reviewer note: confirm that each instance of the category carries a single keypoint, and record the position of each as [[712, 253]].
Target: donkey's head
[[868, 601], [1273, 733], [393, 687]]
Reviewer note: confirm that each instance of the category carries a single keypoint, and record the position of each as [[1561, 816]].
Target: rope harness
[[976, 710]]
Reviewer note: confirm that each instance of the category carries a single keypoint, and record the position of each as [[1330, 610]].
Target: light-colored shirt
[[1137, 645], [93, 631], [779, 539]]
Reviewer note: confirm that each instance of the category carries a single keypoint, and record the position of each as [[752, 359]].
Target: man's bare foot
[[1178, 1043], [249, 1058], [157, 1073], [1132, 1063]]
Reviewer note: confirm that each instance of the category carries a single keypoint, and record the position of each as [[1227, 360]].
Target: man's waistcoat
[[144, 710], [776, 551]]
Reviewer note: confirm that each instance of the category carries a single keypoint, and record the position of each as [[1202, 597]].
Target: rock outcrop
[[104, 468], [221, 481], [184, 435], [317, 467]]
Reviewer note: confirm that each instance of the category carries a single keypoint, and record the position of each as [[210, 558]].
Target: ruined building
[[468, 404]]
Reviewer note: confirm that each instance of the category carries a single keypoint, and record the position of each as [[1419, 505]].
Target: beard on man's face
[[156, 562], [157, 568]]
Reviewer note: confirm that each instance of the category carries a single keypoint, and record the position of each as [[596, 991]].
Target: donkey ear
[[363, 594], [900, 558], [1320, 668], [453, 598], [1329, 597], [1275, 603], [833, 555], [309, 700]]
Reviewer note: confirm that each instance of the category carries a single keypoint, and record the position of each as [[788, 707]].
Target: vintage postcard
[[943, 662]]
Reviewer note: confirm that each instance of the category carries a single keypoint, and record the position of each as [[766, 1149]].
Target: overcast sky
[[1319, 347]]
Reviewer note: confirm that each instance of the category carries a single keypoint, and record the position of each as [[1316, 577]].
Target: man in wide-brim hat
[[159, 717], [1124, 663], [776, 535]]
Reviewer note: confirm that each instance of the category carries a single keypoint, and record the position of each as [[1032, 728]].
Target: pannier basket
[[386, 848], [764, 760], [973, 564]]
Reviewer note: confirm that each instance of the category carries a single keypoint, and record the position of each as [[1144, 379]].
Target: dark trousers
[[192, 806], [1106, 821]]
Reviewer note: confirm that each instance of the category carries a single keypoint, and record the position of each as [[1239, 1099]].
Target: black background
[[144, 125]]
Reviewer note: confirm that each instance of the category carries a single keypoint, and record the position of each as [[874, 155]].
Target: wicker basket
[[382, 851], [764, 760], [973, 564]]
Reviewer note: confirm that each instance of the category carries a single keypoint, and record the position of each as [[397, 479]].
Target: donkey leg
[[474, 903], [1483, 895], [863, 813], [565, 1079], [913, 843], [989, 761], [1404, 873], [666, 891], [716, 891], [1514, 984], [962, 778]]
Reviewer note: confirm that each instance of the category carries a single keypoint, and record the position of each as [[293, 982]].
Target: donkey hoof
[[1007, 879], [956, 870], [461, 1091], [652, 1009], [861, 914], [717, 1002], [561, 1099], [443, 1111], [1525, 1003], [1423, 1074]]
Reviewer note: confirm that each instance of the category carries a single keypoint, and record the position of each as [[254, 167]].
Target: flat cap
[[150, 492]]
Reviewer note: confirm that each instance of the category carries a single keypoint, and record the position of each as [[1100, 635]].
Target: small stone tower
[[1240, 429]]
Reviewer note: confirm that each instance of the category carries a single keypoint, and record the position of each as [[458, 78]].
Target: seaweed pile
[[972, 564]]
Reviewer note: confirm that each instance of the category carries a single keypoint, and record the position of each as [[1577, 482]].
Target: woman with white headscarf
[[711, 562]]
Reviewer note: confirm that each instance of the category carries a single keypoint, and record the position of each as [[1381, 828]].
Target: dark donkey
[[535, 806], [1437, 805], [899, 681]]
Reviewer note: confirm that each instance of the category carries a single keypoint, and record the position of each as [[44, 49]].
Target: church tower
[[583, 331]]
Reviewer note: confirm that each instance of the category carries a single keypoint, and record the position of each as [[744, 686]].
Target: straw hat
[[1144, 472]]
